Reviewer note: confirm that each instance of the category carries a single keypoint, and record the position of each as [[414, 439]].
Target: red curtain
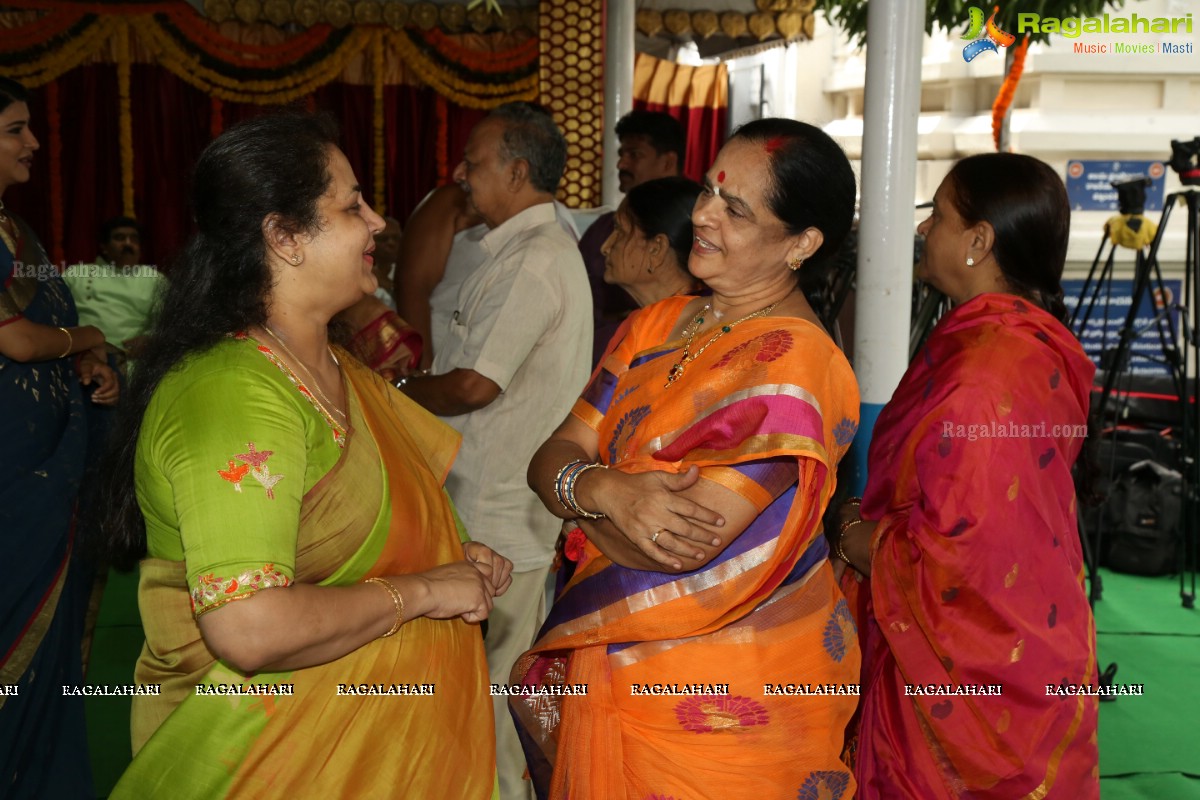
[[696, 96], [171, 126]]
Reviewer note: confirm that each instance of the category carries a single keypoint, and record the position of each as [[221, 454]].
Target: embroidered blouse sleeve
[[233, 450]]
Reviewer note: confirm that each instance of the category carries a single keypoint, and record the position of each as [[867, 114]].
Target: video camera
[[1131, 194], [1185, 160]]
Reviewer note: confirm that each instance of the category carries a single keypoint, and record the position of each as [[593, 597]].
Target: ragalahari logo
[[987, 37]]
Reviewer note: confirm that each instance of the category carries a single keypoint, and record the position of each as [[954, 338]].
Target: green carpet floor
[[1149, 745], [116, 645]]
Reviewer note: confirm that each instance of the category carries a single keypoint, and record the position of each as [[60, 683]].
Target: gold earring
[[296, 259], [795, 264]]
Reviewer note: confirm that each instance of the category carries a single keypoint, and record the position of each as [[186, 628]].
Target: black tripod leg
[[1095, 584]]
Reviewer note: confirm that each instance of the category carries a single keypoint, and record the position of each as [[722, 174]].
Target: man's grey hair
[[530, 134]]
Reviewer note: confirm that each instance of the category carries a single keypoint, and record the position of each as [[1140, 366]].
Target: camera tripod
[[1181, 362]]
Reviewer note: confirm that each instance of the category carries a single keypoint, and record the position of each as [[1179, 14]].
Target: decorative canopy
[[715, 25]]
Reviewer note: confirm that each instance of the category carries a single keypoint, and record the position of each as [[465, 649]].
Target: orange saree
[[687, 676], [352, 728], [976, 568]]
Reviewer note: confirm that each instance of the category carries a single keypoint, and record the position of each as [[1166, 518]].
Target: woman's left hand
[[92, 368], [501, 567]]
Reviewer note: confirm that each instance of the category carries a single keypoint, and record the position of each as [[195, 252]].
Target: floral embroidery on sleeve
[[253, 463], [212, 591]]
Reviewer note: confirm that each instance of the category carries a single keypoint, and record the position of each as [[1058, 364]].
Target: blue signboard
[[1089, 183], [1103, 329]]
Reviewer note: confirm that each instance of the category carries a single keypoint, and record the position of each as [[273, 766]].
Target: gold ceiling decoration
[[368, 12], [338, 13], [677, 22], [784, 18], [762, 25], [789, 19], [247, 10], [705, 23]]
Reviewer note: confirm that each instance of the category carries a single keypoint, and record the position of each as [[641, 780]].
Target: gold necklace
[[694, 327], [311, 376]]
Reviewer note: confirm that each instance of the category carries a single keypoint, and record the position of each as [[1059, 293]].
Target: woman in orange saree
[[307, 600], [975, 603], [716, 650]]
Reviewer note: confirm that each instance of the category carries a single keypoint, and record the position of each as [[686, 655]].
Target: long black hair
[[664, 205], [220, 283], [812, 183], [1025, 202]]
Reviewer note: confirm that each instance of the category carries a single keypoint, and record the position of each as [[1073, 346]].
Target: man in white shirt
[[514, 359]]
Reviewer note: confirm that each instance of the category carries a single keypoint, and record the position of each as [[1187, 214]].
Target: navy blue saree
[[43, 593]]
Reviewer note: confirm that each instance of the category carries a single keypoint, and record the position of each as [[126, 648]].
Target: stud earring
[[296, 259], [795, 264], [970, 261]]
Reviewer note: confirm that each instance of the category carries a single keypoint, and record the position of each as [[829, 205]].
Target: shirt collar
[[531, 217]]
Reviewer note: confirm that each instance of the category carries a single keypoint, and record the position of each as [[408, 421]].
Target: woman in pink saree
[[975, 602]]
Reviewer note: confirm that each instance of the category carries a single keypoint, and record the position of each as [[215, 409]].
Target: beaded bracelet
[[397, 600]]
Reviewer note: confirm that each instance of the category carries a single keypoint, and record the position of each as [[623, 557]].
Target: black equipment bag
[[1143, 516]]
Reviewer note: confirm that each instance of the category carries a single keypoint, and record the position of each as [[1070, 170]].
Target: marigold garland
[[203, 33], [471, 95], [259, 92], [1008, 90], [73, 52], [522, 56], [46, 28]]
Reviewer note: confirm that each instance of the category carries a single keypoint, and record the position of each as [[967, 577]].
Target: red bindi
[[721, 176], [774, 144]]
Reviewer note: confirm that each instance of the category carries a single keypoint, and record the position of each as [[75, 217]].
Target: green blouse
[[230, 444]]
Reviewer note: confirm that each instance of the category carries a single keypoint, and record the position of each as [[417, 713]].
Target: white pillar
[[895, 35], [618, 86]]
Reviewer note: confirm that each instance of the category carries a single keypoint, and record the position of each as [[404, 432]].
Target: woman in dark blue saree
[[43, 442]]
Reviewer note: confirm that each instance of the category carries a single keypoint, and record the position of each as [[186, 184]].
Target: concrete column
[[892, 103], [618, 86]]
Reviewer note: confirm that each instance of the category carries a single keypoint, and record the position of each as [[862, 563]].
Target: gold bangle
[[838, 550], [70, 343], [397, 600]]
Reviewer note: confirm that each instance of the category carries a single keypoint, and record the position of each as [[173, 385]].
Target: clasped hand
[[651, 510], [466, 588], [93, 367]]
